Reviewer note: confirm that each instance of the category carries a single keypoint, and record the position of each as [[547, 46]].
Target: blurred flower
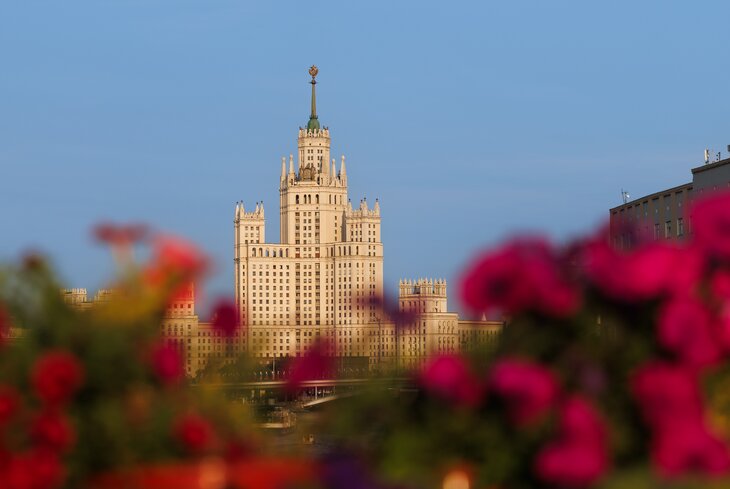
[[523, 275], [571, 463], [528, 389], [449, 377], [178, 257], [710, 217], [9, 402], [51, 429], [56, 377], [720, 284], [579, 457], [666, 393], [685, 328], [314, 364], [579, 420], [167, 363], [193, 432], [225, 317], [687, 446], [38, 469], [120, 235], [643, 274]]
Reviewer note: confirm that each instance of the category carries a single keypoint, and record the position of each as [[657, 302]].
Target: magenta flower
[[314, 364], [710, 218], [449, 377], [523, 275], [685, 328], [225, 317], [666, 393], [528, 389], [686, 447], [167, 364], [579, 456], [644, 274]]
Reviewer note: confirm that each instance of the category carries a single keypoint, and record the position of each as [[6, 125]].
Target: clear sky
[[470, 121]]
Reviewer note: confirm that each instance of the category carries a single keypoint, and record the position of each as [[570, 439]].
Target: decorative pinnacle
[[313, 122]]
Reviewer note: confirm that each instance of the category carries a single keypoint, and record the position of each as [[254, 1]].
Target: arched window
[[357, 250], [254, 252], [296, 198], [317, 199]]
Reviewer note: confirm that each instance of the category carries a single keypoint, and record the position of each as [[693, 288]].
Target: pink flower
[[666, 393], [225, 317], [685, 328], [710, 217], [571, 463], [9, 402], [449, 377], [579, 457], [178, 257], [720, 284], [314, 364], [194, 433], [523, 275], [56, 377], [644, 274], [527, 389], [50, 429], [687, 446], [167, 364]]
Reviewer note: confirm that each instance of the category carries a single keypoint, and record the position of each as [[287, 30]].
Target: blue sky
[[470, 121]]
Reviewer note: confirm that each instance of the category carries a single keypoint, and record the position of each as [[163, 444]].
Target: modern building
[[663, 215]]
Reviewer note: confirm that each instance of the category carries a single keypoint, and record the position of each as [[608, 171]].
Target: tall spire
[[313, 122]]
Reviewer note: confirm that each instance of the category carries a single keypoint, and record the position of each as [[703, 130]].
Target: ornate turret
[[313, 122]]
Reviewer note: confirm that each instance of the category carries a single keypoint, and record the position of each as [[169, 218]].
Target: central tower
[[321, 279]]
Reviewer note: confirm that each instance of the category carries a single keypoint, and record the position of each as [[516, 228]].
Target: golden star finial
[[313, 71]]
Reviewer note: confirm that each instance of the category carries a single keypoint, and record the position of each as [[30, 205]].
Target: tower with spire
[[324, 276]]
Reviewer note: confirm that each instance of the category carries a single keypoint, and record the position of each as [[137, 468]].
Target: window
[[668, 229], [680, 227], [656, 231]]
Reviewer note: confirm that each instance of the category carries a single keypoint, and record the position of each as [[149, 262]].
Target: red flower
[[579, 457], [52, 430], [711, 224], [449, 377], [225, 317], [685, 328], [666, 393], [193, 432], [687, 446], [167, 364], [523, 275], [528, 389], [643, 274], [38, 469], [9, 402], [120, 235], [178, 257], [56, 377], [314, 364]]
